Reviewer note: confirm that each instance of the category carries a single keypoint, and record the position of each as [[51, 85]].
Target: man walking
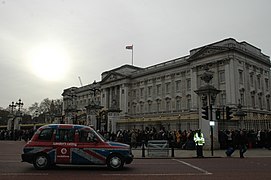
[[241, 142], [199, 141]]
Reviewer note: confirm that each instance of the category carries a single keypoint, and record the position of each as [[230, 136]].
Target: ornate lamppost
[[10, 125], [241, 114], [208, 95], [18, 119]]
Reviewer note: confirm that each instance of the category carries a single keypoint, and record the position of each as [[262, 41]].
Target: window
[[241, 79], [266, 85], [141, 92], [168, 105], [259, 81], [167, 88], [251, 80], [178, 86], [87, 135], [253, 100], [242, 98], [134, 108], [149, 90], [65, 135], [141, 107], [221, 76], [158, 106], [188, 84], [149, 106], [260, 102], [268, 103], [158, 87], [46, 134], [189, 102], [178, 104]]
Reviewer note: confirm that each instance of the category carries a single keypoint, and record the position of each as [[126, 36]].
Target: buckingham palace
[[164, 95]]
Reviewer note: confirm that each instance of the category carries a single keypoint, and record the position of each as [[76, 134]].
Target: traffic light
[[229, 115], [217, 114], [204, 112]]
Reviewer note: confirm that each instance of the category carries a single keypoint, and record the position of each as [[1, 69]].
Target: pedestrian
[[231, 143], [199, 141], [242, 142], [133, 139]]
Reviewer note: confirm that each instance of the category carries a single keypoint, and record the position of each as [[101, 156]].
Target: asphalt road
[[11, 167]]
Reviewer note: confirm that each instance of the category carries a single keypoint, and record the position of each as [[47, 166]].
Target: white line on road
[[194, 167], [179, 174], [9, 161], [23, 174]]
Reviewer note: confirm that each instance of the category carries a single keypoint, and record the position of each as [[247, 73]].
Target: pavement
[[179, 153]]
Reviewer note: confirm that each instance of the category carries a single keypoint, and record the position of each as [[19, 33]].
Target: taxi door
[[64, 141], [88, 151]]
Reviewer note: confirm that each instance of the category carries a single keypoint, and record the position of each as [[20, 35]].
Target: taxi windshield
[[100, 136]]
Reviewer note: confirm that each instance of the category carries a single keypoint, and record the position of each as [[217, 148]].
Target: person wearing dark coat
[[241, 140]]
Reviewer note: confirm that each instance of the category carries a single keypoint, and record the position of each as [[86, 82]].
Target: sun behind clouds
[[49, 61]]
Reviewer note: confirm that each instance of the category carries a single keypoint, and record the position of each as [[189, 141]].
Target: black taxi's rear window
[[65, 135]]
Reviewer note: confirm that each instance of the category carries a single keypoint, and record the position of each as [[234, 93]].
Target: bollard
[[172, 150], [143, 148]]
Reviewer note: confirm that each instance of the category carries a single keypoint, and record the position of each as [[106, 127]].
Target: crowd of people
[[16, 135], [177, 139], [184, 139], [254, 139]]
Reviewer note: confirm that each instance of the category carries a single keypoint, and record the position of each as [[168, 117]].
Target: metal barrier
[[158, 148]]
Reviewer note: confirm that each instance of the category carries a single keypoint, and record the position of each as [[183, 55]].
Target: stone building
[[163, 95]]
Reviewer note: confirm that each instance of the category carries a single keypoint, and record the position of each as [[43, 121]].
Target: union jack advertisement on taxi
[[74, 144]]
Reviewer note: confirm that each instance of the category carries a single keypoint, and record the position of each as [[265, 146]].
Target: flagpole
[[131, 48], [132, 55]]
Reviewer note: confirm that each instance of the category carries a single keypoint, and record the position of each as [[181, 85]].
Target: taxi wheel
[[41, 161], [115, 162]]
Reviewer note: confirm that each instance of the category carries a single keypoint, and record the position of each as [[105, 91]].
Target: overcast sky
[[46, 44]]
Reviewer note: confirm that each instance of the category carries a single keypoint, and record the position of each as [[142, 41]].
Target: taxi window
[[86, 135], [46, 134], [65, 135]]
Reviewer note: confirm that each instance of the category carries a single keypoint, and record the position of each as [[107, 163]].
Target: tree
[[46, 107], [3, 117], [33, 109]]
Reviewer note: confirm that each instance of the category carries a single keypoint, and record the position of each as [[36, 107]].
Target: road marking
[[194, 167], [179, 174], [24, 174], [9, 161]]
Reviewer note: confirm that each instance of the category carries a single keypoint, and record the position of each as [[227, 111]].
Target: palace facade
[[163, 95]]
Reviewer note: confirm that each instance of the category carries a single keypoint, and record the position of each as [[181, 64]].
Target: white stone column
[[113, 117], [17, 122], [10, 121]]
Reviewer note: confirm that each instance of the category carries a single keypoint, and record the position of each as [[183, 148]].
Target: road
[[188, 168]]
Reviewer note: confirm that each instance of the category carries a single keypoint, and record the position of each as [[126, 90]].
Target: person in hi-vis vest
[[199, 141]]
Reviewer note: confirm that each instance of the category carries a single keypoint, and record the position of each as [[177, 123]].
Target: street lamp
[[241, 114], [12, 106], [20, 105], [11, 120], [208, 95]]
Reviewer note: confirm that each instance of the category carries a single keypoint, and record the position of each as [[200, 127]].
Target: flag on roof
[[129, 47]]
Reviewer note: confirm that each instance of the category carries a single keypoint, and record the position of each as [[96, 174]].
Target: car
[[54, 144]]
